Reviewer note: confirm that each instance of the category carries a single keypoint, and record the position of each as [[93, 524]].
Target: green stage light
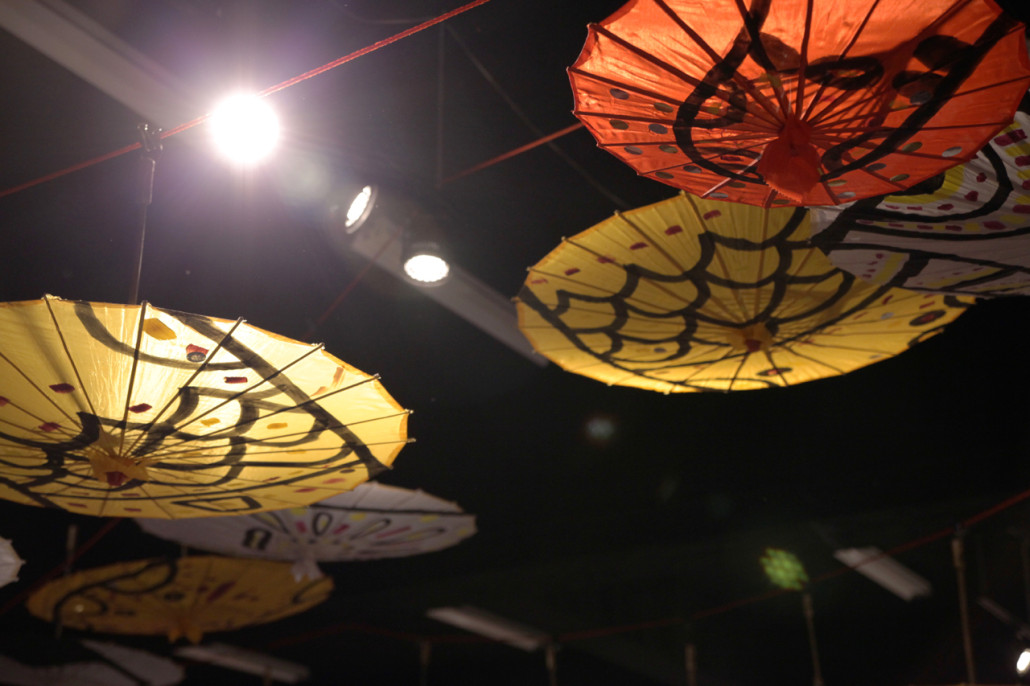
[[784, 569]]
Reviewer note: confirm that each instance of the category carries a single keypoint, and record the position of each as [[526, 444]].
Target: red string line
[[348, 288], [268, 91], [66, 564], [512, 153], [708, 612]]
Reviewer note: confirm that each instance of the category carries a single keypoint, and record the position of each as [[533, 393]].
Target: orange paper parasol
[[793, 102]]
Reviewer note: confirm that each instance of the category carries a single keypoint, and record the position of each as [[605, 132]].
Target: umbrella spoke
[[91, 465], [236, 396], [68, 355], [132, 376], [744, 83], [203, 366]]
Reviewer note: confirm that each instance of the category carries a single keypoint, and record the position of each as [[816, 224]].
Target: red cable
[[268, 91], [709, 612], [66, 564], [512, 153]]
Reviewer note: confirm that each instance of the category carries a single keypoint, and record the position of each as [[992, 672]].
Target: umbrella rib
[[776, 83], [34, 385], [775, 367], [799, 97], [67, 352], [746, 84], [738, 126], [727, 179], [816, 360], [242, 393], [657, 284], [736, 372], [761, 260], [146, 428], [158, 455], [654, 243], [132, 375], [200, 457], [844, 53], [38, 431], [284, 409], [718, 257]]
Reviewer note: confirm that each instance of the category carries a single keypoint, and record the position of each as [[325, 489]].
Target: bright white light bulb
[[426, 268], [245, 129], [1023, 663], [358, 205]]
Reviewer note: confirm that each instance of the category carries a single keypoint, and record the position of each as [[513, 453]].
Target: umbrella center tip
[[790, 163]]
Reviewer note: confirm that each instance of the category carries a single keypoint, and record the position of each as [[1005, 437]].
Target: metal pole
[[691, 658], [150, 140], [963, 605], [550, 656], [424, 650], [806, 605]]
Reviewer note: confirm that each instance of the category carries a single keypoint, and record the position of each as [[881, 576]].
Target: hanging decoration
[[701, 295], [799, 102], [136, 411]]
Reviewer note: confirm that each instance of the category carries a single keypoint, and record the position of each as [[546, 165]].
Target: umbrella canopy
[[964, 231], [182, 598], [10, 563], [694, 295], [799, 102], [126, 410], [372, 522]]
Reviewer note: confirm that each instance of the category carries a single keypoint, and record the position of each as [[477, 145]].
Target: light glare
[[1023, 663], [426, 268], [245, 129], [358, 206]]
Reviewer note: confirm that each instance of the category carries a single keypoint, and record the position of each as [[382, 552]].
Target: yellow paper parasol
[[131, 410], [697, 295], [182, 598]]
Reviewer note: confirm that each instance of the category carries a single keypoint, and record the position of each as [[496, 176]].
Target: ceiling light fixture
[[487, 624], [875, 565], [425, 264], [244, 128], [378, 223]]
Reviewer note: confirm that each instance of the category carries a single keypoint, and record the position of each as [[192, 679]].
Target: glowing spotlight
[[425, 264], [359, 207], [600, 429], [244, 128], [784, 569], [1023, 663]]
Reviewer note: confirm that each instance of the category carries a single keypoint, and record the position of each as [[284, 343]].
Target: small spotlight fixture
[[244, 128], [425, 264], [359, 208]]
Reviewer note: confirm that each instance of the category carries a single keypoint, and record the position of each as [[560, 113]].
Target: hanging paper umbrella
[[10, 563], [964, 231], [111, 665], [137, 411], [692, 295], [182, 598], [371, 522], [799, 102]]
